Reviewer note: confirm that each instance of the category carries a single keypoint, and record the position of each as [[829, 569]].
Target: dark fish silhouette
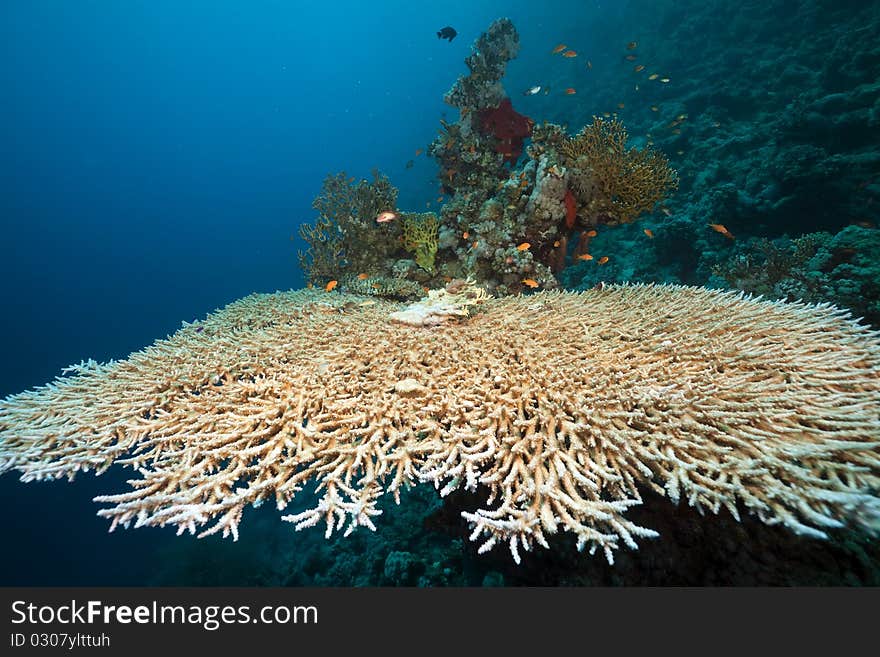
[[447, 33]]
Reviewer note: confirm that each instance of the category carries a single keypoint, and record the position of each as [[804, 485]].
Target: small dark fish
[[409, 164], [447, 33], [200, 329]]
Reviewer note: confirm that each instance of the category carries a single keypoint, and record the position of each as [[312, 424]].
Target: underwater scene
[[461, 294]]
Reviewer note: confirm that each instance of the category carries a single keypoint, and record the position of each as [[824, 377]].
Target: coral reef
[[701, 396], [512, 222], [843, 269]]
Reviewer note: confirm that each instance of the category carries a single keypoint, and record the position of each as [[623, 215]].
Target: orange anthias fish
[[603, 260], [530, 282], [559, 48], [363, 277], [418, 152], [386, 217], [570, 53], [720, 228], [585, 256], [465, 235], [523, 247], [649, 233], [331, 286], [592, 233], [639, 68], [571, 91]]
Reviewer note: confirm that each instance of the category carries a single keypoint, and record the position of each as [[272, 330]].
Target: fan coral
[[344, 238], [508, 127], [420, 235], [706, 397], [627, 182]]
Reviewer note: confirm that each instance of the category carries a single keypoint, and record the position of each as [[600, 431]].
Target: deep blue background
[[157, 156]]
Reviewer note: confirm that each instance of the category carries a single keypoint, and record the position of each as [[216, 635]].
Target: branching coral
[[420, 236], [628, 182], [706, 397]]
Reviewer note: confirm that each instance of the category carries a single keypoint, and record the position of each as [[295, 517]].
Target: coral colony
[[561, 407]]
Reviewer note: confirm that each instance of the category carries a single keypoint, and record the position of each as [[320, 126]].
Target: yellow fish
[[530, 282], [523, 247]]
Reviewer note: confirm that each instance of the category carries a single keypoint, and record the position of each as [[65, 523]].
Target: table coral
[[562, 406]]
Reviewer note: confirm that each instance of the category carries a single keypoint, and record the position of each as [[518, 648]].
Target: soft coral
[[508, 126]]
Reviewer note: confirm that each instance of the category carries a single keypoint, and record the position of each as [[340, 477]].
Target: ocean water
[[159, 158]]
